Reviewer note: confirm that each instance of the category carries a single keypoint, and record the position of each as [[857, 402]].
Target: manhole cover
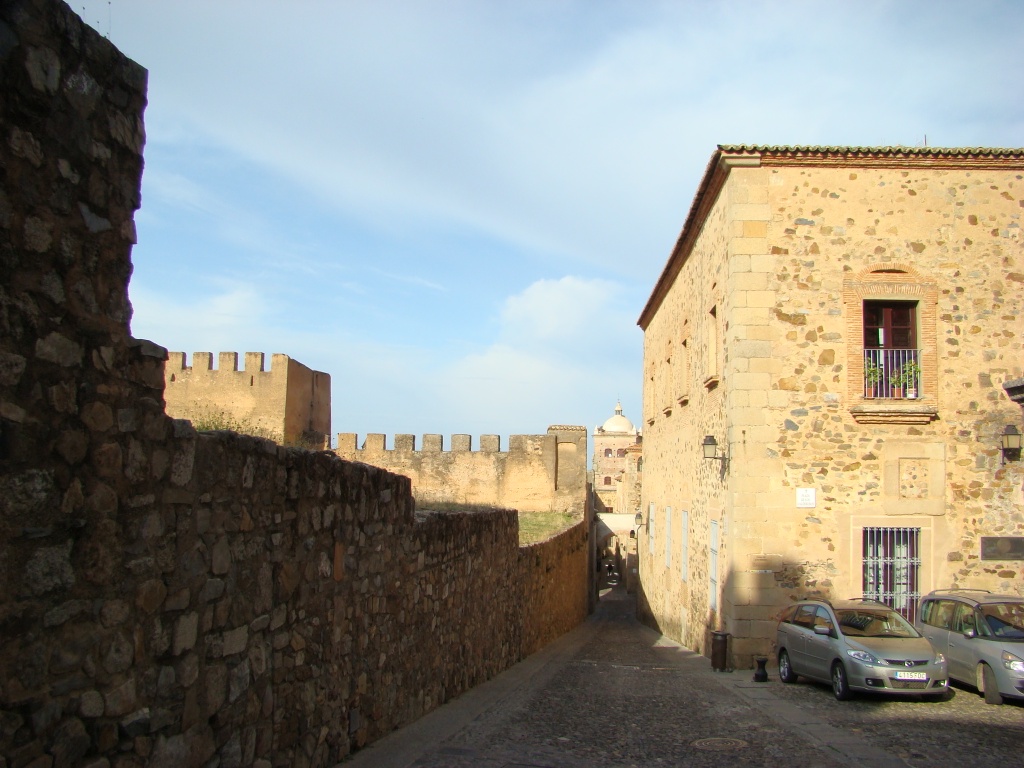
[[719, 744]]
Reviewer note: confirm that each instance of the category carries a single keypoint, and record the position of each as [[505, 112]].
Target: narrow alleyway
[[612, 694]]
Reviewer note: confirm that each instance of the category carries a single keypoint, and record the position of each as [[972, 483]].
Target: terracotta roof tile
[[805, 150]]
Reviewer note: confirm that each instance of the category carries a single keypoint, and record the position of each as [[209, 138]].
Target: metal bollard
[[720, 652], [760, 674]]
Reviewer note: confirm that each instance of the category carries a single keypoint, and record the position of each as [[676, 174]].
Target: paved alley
[[613, 693]]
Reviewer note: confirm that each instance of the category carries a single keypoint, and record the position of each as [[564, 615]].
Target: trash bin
[[720, 652]]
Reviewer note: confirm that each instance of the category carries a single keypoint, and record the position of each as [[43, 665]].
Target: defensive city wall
[[169, 598], [290, 403], [538, 473]]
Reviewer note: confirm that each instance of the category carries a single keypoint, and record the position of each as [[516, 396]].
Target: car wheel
[[988, 685], [840, 685], [786, 673]]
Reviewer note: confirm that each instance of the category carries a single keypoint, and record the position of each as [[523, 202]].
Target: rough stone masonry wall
[[683, 402], [169, 598], [549, 577]]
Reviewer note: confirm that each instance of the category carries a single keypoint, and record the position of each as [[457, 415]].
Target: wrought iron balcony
[[893, 374]]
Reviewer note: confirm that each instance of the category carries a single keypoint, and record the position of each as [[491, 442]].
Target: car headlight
[[939, 659], [1013, 663], [865, 657]]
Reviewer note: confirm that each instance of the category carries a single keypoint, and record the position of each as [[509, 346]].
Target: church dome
[[618, 423]]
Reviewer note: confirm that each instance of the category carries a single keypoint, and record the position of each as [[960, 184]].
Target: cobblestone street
[[615, 693], [961, 731]]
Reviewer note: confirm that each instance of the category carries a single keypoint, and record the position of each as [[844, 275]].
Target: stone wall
[[290, 403], [550, 574], [538, 473], [174, 598]]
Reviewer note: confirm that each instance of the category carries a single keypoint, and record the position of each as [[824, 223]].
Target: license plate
[[911, 675]]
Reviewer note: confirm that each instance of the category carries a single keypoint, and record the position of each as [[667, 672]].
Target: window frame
[[891, 282], [684, 535]]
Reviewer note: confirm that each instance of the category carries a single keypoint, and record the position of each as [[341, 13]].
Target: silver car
[[982, 635], [857, 645]]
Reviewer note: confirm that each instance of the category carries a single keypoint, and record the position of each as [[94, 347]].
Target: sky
[[458, 208]]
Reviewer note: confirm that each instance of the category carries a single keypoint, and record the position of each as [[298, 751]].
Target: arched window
[[607, 480], [620, 453], [607, 452]]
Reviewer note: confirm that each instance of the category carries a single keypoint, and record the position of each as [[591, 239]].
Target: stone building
[[833, 328], [290, 403], [612, 440]]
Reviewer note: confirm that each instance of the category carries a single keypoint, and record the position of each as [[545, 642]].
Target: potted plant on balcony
[[896, 384], [910, 375], [872, 377]]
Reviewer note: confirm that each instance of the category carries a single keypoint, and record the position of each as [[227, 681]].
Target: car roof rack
[[824, 600], [962, 589], [867, 600]]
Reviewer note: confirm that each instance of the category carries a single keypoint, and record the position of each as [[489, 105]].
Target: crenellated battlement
[[227, 362], [288, 402], [537, 473], [376, 442]]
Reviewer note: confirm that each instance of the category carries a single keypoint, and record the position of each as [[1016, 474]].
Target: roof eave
[[722, 161], [728, 156]]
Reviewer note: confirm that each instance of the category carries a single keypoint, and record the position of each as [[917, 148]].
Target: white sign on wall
[[805, 498]]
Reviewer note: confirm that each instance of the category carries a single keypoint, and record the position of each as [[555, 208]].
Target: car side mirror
[[820, 630]]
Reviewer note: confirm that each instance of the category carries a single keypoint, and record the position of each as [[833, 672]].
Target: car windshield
[[874, 622], [1006, 620]]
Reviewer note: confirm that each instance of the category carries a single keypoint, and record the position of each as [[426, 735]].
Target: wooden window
[[684, 535], [890, 324], [668, 537], [713, 567]]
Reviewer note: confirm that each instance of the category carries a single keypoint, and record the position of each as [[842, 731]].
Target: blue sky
[[458, 209]]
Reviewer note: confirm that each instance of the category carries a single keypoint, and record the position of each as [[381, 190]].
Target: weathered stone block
[[185, 630]]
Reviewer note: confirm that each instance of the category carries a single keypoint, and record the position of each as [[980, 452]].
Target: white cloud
[[550, 362], [564, 313]]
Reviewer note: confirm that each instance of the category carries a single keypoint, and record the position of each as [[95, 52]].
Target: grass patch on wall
[[218, 421], [533, 526], [538, 526]]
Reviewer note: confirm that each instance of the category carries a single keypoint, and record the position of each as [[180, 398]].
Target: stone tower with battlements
[[290, 403]]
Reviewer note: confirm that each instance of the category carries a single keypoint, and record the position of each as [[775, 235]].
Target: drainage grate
[[719, 745]]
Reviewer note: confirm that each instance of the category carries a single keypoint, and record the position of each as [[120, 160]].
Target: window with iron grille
[[892, 567]]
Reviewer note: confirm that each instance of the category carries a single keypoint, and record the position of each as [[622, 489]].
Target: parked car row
[[971, 636]]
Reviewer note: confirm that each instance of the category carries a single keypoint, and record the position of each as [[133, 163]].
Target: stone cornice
[[894, 412]]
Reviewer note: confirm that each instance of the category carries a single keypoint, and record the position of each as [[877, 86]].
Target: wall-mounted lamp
[[639, 519], [710, 446], [1010, 442]]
